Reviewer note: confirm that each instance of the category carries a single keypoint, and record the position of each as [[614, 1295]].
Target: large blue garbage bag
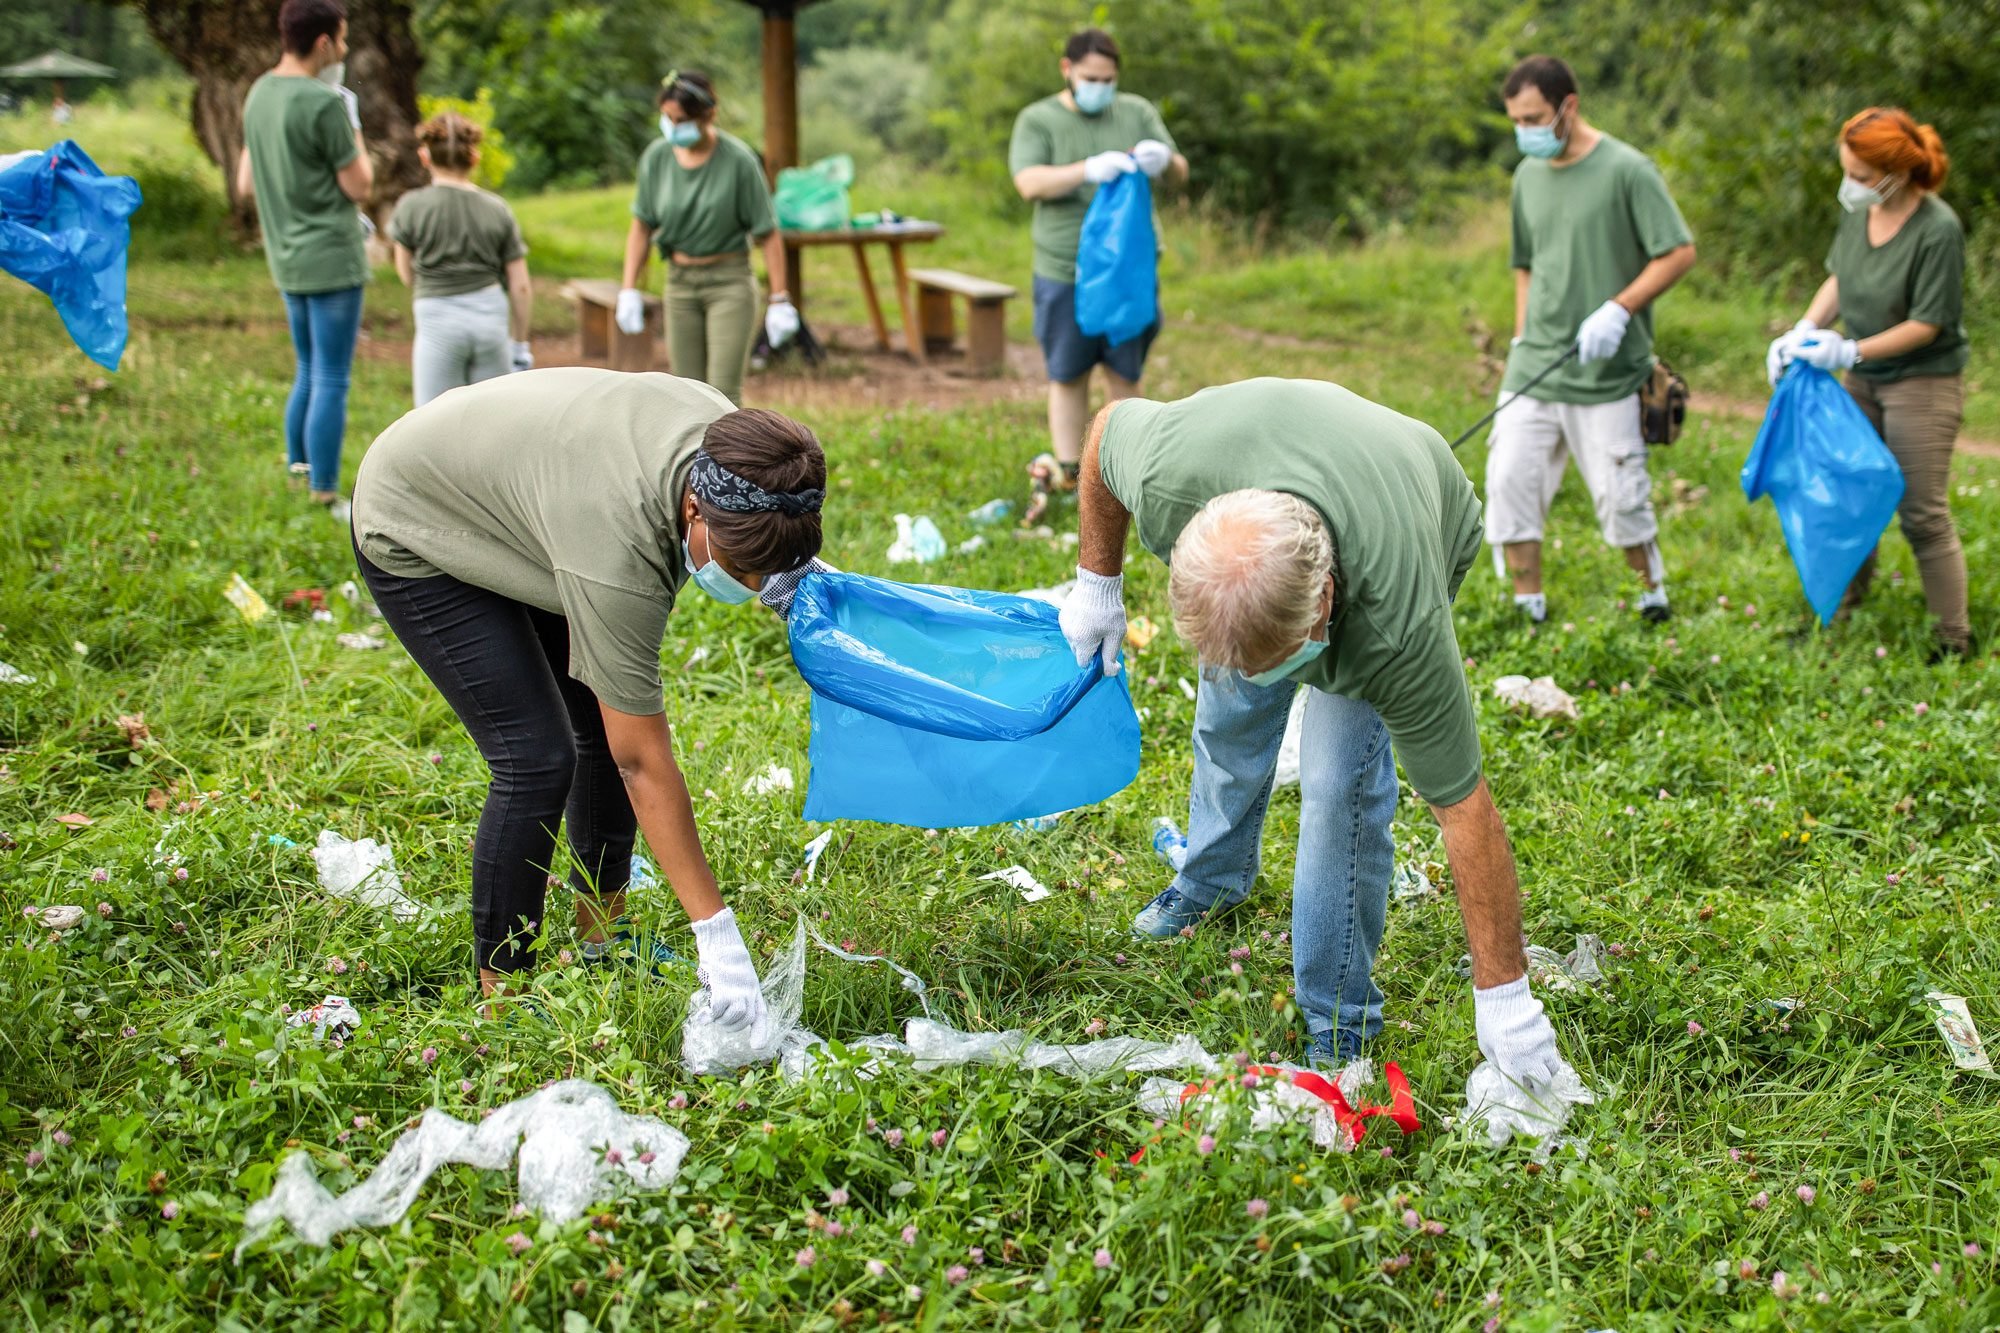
[[944, 707], [1834, 483], [63, 230], [1118, 262]]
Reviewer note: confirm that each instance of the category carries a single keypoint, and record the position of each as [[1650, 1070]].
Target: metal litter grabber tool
[[1553, 367]]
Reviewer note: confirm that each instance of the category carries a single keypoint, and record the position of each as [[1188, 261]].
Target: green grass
[[1766, 812]]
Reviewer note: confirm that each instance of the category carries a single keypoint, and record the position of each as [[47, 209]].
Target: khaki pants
[[712, 322], [1918, 418], [1533, 442]]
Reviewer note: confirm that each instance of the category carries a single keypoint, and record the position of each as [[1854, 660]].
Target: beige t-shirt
[[559, 488]]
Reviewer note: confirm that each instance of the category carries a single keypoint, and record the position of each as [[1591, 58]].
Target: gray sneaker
[[1174, 912]]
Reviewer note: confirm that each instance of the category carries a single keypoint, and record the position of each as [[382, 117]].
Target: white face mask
[[333, 75], [1854, 196]]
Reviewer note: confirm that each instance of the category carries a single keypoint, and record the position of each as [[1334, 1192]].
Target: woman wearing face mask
[[702, 199], [460, 252], [526, 538], [1896, 280]]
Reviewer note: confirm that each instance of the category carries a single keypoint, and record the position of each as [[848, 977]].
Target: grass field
[[1748, 809]]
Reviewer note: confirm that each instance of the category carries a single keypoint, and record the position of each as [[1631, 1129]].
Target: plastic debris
[[993, 511], [814, 850], [361, 642], [1186, 688], [1140, 631], [1288, 748], [971, 544], [575, 1147], [1410, 884], [1555, 971], [304, 599], [270, 840], [918, 541], [1053, 596], [1542, 697], [1954, 1024], [247, 601], [335, 1014], [11, 676], [773, 778], [1039, 823], [643, 875], [60, 918], [1334, 1108], [1032, 889], [937, 1045], [695, 658], [362, 872], [1169, 844], [1504, 1108]]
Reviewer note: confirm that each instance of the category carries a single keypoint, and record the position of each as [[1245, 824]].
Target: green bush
[[495, 162], [864, 101]]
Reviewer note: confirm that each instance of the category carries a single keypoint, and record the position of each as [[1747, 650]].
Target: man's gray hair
[[1246, 577]]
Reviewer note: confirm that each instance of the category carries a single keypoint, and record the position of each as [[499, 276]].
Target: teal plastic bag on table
[[1118, 262], [814, 198], [946, 707], [1833, 482]]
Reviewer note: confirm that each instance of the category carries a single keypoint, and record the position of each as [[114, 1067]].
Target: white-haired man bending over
[[1314, 538]]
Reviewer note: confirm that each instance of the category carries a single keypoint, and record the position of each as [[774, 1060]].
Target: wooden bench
[[598, 336], [986, 315]]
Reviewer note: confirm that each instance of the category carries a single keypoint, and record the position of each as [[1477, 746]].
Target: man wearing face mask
[[1596, 240], [526, 537], [1064, 147], [1314, 538]]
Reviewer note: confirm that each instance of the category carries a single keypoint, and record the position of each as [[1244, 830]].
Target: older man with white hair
[[1314, 538]]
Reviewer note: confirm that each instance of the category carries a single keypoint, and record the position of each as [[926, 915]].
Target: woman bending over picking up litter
[[1896, 278], [526, 538]]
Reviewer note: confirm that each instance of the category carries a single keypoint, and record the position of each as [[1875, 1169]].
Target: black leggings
[[504, 669]]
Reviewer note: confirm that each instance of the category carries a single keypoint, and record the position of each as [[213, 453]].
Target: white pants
[[460, 340], [1532, 443]]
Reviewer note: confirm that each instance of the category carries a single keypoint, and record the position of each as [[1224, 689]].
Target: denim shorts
[[1068, 351]]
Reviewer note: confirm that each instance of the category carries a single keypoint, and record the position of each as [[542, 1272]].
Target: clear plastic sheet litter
[[1540, 697], [1501, 1108], [362, 872]]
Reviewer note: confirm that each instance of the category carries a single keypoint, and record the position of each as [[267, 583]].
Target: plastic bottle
[[1169, 843], [993, 511]]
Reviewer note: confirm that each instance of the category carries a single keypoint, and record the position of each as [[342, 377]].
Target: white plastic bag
[[937, 1045], [362, 872], [768, 781], [1542, 697], [1273, 1102], [918, 541], [1503, 1108]]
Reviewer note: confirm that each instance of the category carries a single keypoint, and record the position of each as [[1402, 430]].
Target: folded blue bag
[[1118, 262], [1834, 483], [63, 230], [946, 707]]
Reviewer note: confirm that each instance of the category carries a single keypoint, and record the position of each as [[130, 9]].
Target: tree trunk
[[227, 46]]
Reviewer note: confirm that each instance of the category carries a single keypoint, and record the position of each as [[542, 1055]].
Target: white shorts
[[1533, 441]]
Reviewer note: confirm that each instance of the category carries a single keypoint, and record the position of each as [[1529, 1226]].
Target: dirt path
[[1752, 409]]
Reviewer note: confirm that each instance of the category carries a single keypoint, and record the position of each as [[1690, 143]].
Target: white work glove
[[631, 311], [1829, 351], [1152, 156], [1598, 337], [1107, 166], [1784, 348], [1516, 1035], [352, 103], [1093, 618], [521, 355], [735, 1000], [781, 320]]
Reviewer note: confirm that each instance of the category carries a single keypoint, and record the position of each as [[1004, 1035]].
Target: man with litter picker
[[1314, 538], [1596, 240]]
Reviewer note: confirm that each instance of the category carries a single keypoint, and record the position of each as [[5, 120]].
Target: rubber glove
[[352, 103], [1515, 1034], [1829, 351], [735, 1000], [1783, 348], [1152, 156], [781, 320], [522, 355], [1093, 618], [1107, 166], [1599, 336], [631, 311]]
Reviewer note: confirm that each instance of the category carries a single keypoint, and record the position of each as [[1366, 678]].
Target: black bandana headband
[[719, 488]]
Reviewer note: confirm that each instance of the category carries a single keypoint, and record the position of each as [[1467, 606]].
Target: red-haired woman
[[1896, 280]]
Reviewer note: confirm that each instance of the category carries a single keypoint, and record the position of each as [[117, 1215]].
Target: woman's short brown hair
[[778, 454], [451, 140]]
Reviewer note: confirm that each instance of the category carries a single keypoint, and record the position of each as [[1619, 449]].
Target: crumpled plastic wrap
[[1549, 970], [1502, 1108], [936, 1045], [917, 541], [66, 917], [1542, 697], [335, 1014], [362, 872], [1273, 1102], [575, 1148]]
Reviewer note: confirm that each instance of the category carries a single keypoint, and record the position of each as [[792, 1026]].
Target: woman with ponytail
[[1896, 281]]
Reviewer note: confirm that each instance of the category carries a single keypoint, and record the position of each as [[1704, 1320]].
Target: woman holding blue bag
[[1896, 280]]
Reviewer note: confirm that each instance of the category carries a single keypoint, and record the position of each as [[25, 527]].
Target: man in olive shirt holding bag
[[1314, 538]]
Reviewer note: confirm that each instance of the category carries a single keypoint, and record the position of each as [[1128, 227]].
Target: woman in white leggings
[[459, 249]]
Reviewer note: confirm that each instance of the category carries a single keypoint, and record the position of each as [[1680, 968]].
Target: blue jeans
[[324, 327], [1347, 787]]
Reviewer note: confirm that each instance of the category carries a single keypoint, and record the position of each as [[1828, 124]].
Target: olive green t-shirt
[[1049, 134], [716, 208], [559, 488], [460, 240], [1405, 527], [1585, 231], [297, 132], [1919, 273]]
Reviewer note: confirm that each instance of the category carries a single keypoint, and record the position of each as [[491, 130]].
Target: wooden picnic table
[[893, 235]]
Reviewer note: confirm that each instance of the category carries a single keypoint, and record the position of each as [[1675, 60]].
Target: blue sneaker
[[1173, 912], [1332, 1051], [629, 947]]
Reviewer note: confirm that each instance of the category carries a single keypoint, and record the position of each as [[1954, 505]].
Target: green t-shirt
[[716, 208], [1585, 231], [460, 240], [1049, 134], [1405, 527], [299, 139], [559, 488], [1919, 273]]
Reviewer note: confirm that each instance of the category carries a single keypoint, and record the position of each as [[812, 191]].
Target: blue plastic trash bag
[[63, 230], [1833, 481], [945, 707], [1118, 262]]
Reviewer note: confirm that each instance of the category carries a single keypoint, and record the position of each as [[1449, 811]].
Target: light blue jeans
[[324, 328], [1347, 789]]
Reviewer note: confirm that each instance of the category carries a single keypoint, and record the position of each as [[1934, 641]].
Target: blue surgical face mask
[[1540, 140], [714, 580], [1308, 650], [681, 133], [1092, 96]]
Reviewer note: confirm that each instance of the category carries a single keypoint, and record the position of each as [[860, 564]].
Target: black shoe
[[1943, 651]]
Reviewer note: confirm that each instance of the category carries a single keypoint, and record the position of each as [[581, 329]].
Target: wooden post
[[781, 118]]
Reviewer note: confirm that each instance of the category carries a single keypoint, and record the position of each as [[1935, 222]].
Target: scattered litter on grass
[[1169, 843], [1140, 631], [993, 511], [245, 599], [363, 872], [1042, 533], [1038, 823], [1503, 1108], [1411, 885], [918, 541], [270, 840], [1053, 596], [814, 850], [61, 918], [971, 544], [305, 599], [1186, 688], [575, 1145], [1288, 748], [361, 641], [1284, 1094], [643, 875], [937, 1045], [1550, 970], [695, 658], [1541, 696], [335, 1014], [1954, 1024], [11, 676], [772, 778], [1032, 889]]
